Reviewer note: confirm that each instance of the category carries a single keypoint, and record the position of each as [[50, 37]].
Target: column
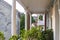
[[50, 21], [45, 21], [38, 19], [59, 16], [59, 24], [27, 20], [13, 16], [30, 20], [55, 21]]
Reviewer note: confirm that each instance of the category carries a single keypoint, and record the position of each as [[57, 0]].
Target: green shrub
[[2, 36], [33, 34], [36, 34], [41, 17], [14, 37], [47, 35]]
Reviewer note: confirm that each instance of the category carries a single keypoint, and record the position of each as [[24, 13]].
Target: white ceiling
[[35, 5]]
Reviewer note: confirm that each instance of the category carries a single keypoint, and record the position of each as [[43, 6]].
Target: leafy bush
[[14, 37], [36, 34], [22, 32], [33, 20], [41, 17], [47, 35], [22, 21], [33, 34], [2, 36]]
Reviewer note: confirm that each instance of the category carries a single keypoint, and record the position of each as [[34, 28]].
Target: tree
[[33, 20], [41, 17], [22, 21]]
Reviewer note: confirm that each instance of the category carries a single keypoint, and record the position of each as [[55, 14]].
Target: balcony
[[50, 9]]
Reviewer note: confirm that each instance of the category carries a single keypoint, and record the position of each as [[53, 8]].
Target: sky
[[34, 15], [18, 6]]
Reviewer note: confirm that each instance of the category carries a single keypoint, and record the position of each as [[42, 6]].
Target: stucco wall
[[5, 19]]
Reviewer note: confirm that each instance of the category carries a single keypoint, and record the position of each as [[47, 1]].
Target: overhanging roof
[[35, 5]]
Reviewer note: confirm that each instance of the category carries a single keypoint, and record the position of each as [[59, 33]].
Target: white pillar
[[55, 21], [25, 21], [38, 19], [13, 16], [30, 21], [59, 24], [59, 16]]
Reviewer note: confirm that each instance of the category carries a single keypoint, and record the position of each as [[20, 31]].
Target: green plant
[[2, 36], [47, 35], [50, 34], [36, 33], [33, 34], [22, 32], [33, 20], [22, 21], [14, 37], [41, 17]]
